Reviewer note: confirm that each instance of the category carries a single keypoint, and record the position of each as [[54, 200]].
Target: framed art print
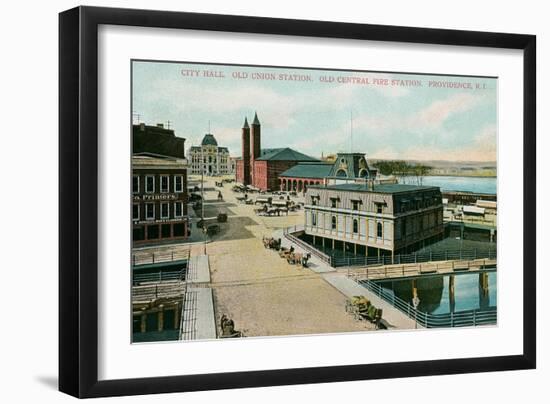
[[250, 201]]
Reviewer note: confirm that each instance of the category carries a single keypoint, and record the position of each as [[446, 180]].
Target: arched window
[[341, 173], [314, 219], [355, 226], [379, 230], [363, 173], [333, 222]]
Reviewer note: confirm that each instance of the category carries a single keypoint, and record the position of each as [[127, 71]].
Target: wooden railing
[[423, 268], [288, 233], [145, 257]]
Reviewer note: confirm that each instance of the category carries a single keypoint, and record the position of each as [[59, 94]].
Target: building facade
[[158, 140], [159, 199], [259, 167], [299, 177], [209, 158], [373, 219], [343, 168]]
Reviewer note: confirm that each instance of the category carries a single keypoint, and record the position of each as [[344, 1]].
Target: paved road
[[262, 293]]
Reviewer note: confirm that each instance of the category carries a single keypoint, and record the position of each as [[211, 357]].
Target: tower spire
[[245, 125], [256, 120]]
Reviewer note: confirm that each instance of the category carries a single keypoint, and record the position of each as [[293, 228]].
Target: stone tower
[[255, 145], [246, 152]]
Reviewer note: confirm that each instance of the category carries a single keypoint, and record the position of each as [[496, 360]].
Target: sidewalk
[[392, 317]]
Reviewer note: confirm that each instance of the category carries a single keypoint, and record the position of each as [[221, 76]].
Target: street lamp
[[415, 302]]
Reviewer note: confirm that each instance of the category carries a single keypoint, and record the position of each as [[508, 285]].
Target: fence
[[414, 258], [467, 318], [288, 233], [160, 276], [144, 257], [151, 292], [426, 268]]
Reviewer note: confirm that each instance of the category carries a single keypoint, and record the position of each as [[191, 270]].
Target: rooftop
[[209, 140], [286, 154], [308, 170], [151, 160], [379, 188]]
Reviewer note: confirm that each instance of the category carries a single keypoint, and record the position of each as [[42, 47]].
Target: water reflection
[[437, 295]]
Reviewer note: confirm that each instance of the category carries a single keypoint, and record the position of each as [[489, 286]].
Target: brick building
[[261, 168], [159, 199], [159, 185], [158, 140]]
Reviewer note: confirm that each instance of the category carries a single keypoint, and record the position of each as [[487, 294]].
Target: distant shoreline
[[461, 175]]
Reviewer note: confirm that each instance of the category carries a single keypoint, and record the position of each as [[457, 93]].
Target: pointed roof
[[209, 140], [286, 154], [256, 121], [245, 126]]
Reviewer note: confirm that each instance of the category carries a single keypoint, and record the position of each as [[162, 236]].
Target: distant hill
[[454, 168]]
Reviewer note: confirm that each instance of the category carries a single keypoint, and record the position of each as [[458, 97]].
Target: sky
[[384, 115]]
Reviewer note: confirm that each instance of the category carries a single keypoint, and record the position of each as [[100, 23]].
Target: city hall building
[[373, 219], [209, 158], [159, 199]]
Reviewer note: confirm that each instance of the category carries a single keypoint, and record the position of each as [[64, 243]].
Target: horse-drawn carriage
[[293, 257], [213, 229], [271, 243], [362, 309], [227, 328]]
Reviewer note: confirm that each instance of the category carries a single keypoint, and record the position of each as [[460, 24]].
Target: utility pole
[[202, 210], [351, 130]]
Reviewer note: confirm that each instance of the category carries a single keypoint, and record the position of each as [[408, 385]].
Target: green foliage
[[402, 169]]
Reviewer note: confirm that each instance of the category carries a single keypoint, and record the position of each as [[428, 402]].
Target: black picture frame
[[78, 200]]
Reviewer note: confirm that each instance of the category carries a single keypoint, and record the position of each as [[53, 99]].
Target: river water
[[486, 185], [433, 293]]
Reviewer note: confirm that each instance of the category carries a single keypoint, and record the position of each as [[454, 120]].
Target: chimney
[[370, 184], [246, 152], [160, 125], [142, 127]]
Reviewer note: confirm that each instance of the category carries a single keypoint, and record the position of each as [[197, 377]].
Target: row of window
[[164, 184], [197, 159], [177, 208], [355, 204], [355, 225], [155, 231], [404, 205]]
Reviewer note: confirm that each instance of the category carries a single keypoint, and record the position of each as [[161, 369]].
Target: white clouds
[[433, 116], [388, 121]]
